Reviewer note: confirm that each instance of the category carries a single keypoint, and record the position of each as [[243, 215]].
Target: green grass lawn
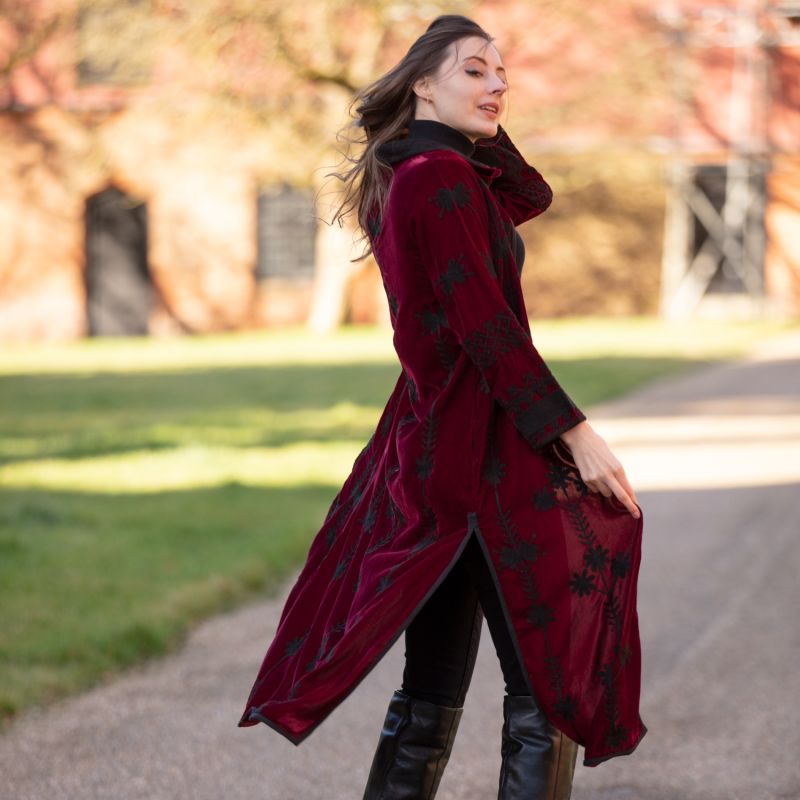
[[145, 485]]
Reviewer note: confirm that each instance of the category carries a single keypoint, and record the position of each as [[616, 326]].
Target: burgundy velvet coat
[[466, 445]]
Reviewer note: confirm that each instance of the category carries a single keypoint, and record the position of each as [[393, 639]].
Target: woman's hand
[[599, 468]]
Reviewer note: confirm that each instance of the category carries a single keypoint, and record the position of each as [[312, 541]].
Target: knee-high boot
[[538, 760], [413, 749]]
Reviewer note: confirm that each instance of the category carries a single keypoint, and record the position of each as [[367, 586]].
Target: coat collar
[[434, 131], [423, 135]]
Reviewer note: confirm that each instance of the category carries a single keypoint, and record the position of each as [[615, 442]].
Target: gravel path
[[715, 458]]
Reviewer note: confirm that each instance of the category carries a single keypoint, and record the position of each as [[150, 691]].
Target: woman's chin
[[486, 130]]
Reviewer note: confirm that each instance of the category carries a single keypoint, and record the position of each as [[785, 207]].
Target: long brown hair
[[385, 108]]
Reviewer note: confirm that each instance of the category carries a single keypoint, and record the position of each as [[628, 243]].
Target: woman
[[483, 490]]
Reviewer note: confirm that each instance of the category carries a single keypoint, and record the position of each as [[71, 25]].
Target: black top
[[424, 135], [430, 134]]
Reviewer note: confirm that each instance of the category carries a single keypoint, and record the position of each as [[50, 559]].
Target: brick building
[[126, 208]]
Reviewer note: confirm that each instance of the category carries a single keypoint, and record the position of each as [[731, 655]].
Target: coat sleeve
[[450, 224], [520, 189]]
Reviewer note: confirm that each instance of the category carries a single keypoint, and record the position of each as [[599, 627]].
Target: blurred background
[[164, 161], [190, 361]]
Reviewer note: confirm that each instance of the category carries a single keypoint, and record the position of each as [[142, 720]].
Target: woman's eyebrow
[[478, 58]]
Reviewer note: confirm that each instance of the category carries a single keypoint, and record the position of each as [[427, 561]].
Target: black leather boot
[[413, 749], [538, 760]]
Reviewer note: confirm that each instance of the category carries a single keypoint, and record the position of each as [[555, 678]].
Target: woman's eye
[[478, 73]]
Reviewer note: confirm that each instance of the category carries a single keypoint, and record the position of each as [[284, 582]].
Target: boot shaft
[[538, 760], [413, 749]]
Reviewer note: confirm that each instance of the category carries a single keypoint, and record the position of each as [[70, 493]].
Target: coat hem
[[587, 762], [593, 762], [253, 717]]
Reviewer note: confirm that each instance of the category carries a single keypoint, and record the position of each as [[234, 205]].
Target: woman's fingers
[[623, 479], [599, 486], [623, 495], [599, 468], [615, 483]]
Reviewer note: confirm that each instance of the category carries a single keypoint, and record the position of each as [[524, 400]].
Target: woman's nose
[[499, 86]]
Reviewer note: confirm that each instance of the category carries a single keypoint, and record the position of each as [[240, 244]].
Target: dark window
[[287, 228], [115, 41], [119, 290]]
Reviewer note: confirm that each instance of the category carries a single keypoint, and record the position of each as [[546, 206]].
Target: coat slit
[[498, 587]]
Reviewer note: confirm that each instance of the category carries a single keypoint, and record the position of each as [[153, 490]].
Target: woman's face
[[471, 78]]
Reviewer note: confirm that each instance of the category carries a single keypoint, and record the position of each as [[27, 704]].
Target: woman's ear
[[420, 87]]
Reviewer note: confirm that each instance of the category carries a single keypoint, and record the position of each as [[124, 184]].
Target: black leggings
[[442, 640]]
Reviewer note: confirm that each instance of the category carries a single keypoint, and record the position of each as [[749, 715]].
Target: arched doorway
[[119, 288]]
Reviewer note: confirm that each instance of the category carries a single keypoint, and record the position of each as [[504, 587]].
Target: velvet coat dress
[[467, 445]]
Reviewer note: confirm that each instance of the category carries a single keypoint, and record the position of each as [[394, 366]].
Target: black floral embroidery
[[499, 244], [600, 575], [385, 582], [582, 583], [325, 650], [567, 706], [495, 337], [596, 557], [386, 424], [493, 468], [293, 645], [394, 305], [396, 519], [371, 514], [616, 733], [555, 674], [620, 564], [448, 356], [430, 528], [520, 553], [543, 499], [455, 273], [334, 507], [424, 463], [291, 648], [432, 320], [448, 200], [540, 616], [539, 195], [407, 419], [563, 479], [527, 182], [538, 405], [526, 552], [344, 562], [412, 388], [333, 531], [533, 387], [366, 455]]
